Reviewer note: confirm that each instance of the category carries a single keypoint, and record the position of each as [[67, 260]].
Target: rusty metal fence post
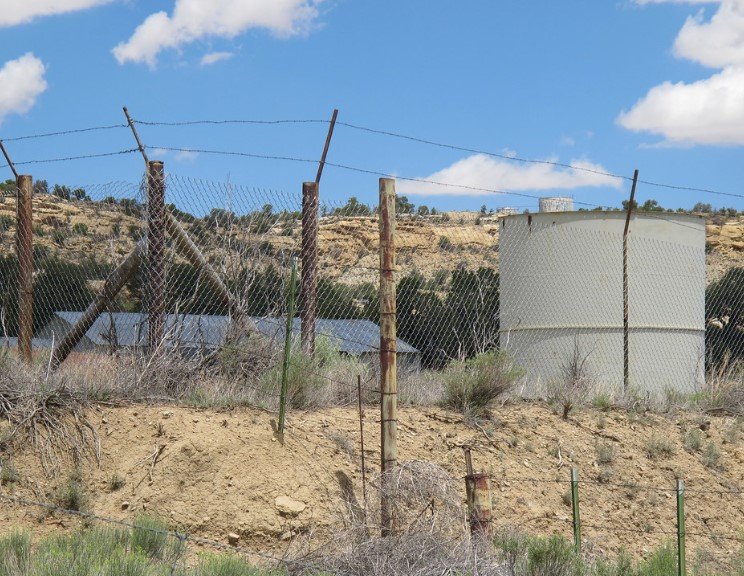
[[309, 254], [478, 497], [388, 347], [24, 250], [155, 253]]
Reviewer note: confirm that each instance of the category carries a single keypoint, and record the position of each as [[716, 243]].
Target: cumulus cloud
[[482, 171], [192, 20], [708, 111], [23, 81], [716, 43], [214, 57], [16, 12]]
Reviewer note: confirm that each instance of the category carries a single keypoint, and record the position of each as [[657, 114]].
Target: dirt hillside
[[347, 246], [225, 471]]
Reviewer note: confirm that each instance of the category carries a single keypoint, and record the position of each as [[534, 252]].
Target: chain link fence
[[547, 288]]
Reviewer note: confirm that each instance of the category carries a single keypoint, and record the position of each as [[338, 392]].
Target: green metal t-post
[[287, 344], [681, 569], [575, 506]]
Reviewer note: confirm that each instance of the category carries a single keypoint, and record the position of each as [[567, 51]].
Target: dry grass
[[431, 534], [42, 409], [576, 383]]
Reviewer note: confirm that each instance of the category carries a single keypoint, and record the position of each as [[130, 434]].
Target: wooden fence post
[[388, 343], [155, 253], [24, 250], [309, 254]]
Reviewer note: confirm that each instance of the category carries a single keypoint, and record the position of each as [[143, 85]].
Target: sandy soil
[[222, 471]]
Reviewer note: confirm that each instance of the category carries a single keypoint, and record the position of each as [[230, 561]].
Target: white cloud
[[192, 20], [716, 43], [708, 111], [214, 57], [186, 156], [482, 171], [643, 2], [23, 81], [16, 12]]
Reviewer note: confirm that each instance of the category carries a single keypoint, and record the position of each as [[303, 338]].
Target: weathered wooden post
[[24, 250], [388, 344], [114, 283], [309, 254], [155, 253]]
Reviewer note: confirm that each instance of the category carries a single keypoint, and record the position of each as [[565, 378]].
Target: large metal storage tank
[[555, 204], [561, 296]]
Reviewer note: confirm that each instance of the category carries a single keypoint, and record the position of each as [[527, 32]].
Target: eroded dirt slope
[[222, 471]]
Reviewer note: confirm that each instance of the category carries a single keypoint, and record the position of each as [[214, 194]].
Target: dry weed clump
[[431, 533], [42, 409], [724, 392], [575, 384]]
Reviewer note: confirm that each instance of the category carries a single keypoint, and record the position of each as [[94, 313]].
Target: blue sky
[[609, 85]]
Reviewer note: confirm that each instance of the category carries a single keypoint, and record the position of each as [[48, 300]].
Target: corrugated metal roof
[[351, 336]]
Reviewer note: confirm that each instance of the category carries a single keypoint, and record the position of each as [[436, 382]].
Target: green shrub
[[693, 440], [224, 565], [553, 556], [8, 473], [80, 229], [658, 447], [605, 452], [602, 402], [15, 554], [711, 456], [150, 537], [663, 562], [71, 495], [472, 385]]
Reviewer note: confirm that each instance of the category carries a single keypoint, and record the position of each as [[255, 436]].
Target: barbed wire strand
[[64, 132]]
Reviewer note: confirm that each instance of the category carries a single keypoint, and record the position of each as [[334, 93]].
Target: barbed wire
[[217, 122], [508, 157], [64, 132], [70, 158]]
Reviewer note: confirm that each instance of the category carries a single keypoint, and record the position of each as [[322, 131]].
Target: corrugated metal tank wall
[[561, 294]]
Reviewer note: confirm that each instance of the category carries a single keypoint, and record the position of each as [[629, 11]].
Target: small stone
[[288, 505], [233, 538], [166, 414]]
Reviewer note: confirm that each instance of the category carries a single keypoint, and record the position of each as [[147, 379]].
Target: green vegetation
[[97, 551], [658, 448], [472, 385]]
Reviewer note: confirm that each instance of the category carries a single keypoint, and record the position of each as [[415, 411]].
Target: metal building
[[556, 204], [561, 299]]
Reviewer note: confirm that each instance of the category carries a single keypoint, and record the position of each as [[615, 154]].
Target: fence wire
[[546, 288]]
